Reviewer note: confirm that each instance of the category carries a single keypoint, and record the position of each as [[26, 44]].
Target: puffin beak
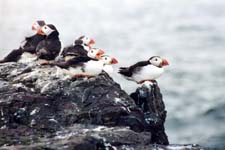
[[91, 42], [40, 31], [101, 52], [114, 61], [164, 62]]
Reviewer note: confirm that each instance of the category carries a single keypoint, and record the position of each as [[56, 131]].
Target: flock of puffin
[[79, 59]]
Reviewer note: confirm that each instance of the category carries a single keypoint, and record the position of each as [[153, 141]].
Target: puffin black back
[[32, 42], [128, 71], [49, 48], [76, 49]]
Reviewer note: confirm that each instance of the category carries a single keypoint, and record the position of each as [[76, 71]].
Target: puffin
[[72, 61], [143, 71], [80, 47], [26, 51], [49, 48], [93, 68], [70, 67]]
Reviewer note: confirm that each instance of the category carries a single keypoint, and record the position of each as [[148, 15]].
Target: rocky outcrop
[[42, 108], [152, 105]]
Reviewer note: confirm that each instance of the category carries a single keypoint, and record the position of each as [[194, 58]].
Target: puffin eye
[[92, 51], [156, 59]]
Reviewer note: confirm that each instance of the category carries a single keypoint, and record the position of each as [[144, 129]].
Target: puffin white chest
[[93, 67], [149, 72], [75, 70], [108, 69], [27, 57]]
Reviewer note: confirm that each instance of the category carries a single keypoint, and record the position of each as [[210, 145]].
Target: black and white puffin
[[73, 65], [145, 70], [80, 47], [49, 48], [26, 51], [72, 62], [92, 68]]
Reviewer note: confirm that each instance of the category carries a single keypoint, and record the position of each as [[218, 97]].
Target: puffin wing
[[48, 49], [28, 38], [31, 43], [26, 45], [74, 62], [81, 60], [66, 50], [53, 48], [129, 71], [41, 49], [76, 50]]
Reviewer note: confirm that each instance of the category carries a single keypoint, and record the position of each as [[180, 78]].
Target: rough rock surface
[[90, 137], [41, 109], [152, 105]]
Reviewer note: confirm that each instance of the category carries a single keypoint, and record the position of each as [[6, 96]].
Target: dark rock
[[42, 108], [151, 102], [91, 137]]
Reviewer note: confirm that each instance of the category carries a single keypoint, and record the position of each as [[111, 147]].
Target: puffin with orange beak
[[145, 70], [27, 50], [77, 66], [86, 42], [93, 68], [49, 48], [71, 62], [36, 26], [80, 47]]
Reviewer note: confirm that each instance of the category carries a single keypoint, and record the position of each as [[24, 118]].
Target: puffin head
[[85, 40], [158, 61], [108, 60], [37, 25], [95, 53], [49, 29]]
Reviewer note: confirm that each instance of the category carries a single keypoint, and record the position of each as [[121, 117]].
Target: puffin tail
[[124, 71]]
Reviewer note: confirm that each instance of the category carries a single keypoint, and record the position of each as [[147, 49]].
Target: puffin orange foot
[[78, 76], [89, 76], [45, 63]]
